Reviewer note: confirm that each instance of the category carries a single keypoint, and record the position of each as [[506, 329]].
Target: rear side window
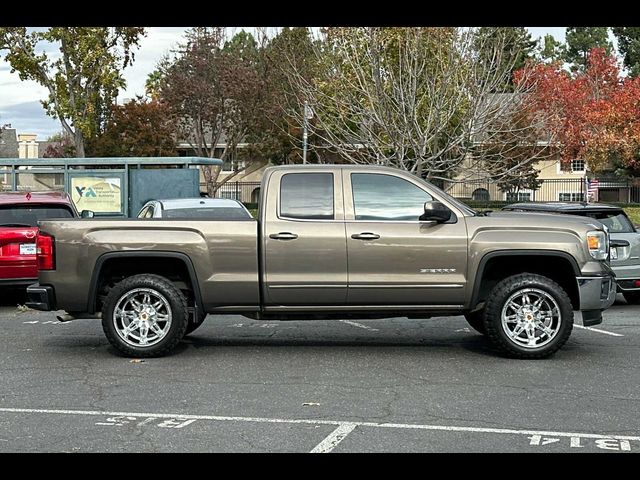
[[307, 196], [30, 214]]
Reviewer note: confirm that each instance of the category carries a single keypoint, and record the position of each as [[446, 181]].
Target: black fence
[[609, 190], [486, 193], [246, 192]]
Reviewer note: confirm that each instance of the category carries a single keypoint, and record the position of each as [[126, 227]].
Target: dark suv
[[625, 239]]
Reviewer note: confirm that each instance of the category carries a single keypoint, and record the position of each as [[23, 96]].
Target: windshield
[[211, 213], [617, 222], [30, 214]]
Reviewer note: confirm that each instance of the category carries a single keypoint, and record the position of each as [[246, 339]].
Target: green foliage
[[138, 128], [551, 50], [505, 48], [580, 41], [83, 80], [629, 47]]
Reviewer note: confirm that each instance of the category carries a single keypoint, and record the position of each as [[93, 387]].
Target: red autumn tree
[[594, 114]]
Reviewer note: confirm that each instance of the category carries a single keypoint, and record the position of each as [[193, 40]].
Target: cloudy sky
[[20, 101]]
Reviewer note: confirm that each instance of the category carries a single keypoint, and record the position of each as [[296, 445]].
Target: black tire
[[632, 298], [178, 309], [194, 324], [476, 320], [499, 296]]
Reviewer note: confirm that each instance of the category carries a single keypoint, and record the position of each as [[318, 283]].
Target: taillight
[[44, 251]]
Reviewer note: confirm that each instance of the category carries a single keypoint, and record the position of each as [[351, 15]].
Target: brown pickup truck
[[331, 241]]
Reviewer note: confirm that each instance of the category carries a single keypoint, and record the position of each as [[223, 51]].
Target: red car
[[19, 214]]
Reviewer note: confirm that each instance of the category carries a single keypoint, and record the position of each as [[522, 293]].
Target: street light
[[308, 115]]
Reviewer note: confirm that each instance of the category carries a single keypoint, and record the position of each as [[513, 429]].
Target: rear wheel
[[145, 316], [528, 316], [632, 298]]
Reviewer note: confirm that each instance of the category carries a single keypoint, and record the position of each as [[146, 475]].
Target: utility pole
[[308, 115]]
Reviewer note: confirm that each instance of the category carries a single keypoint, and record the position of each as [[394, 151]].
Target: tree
[[508, 48], [512, 141], [291, 50], [581, 40], [551, 50], [629, 47], [60, 146], [595, 113], [418, 99], [214, 92], [138, 128], [83, 81]]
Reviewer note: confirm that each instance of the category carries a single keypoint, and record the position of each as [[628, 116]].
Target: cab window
[[386, 197]]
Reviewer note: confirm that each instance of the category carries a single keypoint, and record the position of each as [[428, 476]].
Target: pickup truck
[[331, 241]]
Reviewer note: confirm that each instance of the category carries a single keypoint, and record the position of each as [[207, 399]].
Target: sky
[[20, 100]]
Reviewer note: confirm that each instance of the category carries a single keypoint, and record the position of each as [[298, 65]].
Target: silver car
[[624, 254], [200, 208]]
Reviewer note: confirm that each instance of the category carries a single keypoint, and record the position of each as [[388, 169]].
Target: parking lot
[[431, 385]]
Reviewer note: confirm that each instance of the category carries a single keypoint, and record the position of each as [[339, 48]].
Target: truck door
[[304, 248], [394, 258]]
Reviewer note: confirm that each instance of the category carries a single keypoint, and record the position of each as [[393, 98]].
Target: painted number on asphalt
[[163, 423], [579, 442]]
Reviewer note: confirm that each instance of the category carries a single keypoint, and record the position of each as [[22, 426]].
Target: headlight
[[598, 244]]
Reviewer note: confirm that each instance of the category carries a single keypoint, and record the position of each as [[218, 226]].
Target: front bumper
[[41, 297], [596, 294]]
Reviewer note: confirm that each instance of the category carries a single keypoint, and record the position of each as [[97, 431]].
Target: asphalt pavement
[[393, 385]]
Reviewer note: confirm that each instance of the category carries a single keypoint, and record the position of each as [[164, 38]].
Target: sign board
[[101, 194]]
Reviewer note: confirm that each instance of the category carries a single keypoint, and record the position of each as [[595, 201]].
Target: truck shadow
[[469, 342]]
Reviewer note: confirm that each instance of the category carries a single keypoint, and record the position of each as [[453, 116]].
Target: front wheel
[[145, 316], [528, 316]]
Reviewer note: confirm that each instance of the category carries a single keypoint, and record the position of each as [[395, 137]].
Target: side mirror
[[87, 214], [436, 212]]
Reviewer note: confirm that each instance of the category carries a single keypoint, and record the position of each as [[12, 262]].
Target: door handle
[[365, 236], [283, 236]]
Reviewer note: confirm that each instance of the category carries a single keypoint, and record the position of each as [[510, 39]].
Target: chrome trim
[[304, 308], [419, 285], [307, 286]]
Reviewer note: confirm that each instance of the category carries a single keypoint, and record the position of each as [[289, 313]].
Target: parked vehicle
[[19, 214], [331, 241], [201, 208], [625, 238]]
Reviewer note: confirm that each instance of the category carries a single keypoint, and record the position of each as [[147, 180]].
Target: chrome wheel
[[142, 317], [531, 318]]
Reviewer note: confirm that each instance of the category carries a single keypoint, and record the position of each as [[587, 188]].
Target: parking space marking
[[334, 438], [359, 325], [599, 331], [611, 441]]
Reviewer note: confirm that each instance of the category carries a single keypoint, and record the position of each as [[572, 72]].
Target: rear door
[[304, 249]]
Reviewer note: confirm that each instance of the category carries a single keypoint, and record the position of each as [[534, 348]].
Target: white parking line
[[359, 325], [334, 438], [599, 331], [344, 427]]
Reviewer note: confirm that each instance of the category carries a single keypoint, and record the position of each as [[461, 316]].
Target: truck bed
[[227, 248]]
